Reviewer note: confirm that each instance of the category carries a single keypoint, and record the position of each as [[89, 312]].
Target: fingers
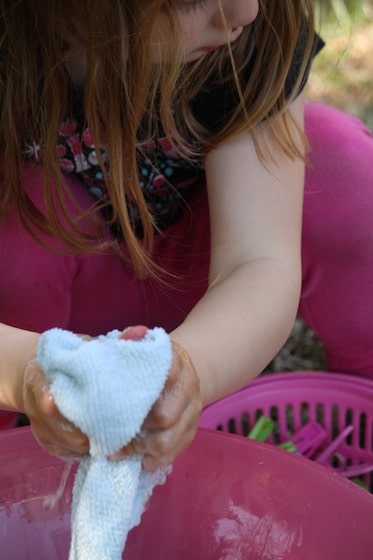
[[36, 393], [179, 395], [172, 423], [160, 448], [168, 429], [53, 431], [50, 438]]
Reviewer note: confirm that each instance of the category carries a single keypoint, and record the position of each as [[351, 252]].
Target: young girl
[[153, 159]]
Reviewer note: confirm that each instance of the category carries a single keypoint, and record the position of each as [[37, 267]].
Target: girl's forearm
[[17, 348], [231, 334], [240, 324]]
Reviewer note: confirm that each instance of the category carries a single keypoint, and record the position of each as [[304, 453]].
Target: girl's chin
[[195, 55]]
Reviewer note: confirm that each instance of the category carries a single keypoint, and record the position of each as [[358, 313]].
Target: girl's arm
[[17, 348], [252, 299], [231, 334], [255, 272]]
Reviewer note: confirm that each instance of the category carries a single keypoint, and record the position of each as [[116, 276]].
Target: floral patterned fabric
[[166, 179]]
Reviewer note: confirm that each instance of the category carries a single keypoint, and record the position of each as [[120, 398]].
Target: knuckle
[[47, 404], [163, 444], [81, 442], [162, 416]]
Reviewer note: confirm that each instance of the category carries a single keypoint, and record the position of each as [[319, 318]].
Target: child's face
[[203, 28]]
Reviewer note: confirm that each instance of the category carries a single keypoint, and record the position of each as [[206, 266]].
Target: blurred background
[[342, 75], [343, 72]]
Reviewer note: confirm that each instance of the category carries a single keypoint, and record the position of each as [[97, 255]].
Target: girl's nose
[[237, 13]]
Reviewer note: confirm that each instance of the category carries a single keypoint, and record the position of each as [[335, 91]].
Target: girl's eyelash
[[194, 4]]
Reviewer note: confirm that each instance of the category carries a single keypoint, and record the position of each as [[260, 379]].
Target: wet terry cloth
[[106, 387]]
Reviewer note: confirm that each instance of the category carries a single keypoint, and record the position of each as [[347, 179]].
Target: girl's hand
[[167, 431], [173, 420], [53, 431]]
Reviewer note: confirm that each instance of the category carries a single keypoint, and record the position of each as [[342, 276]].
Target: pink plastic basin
[[228, 498]]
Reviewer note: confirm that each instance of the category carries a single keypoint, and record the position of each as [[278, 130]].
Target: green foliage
[[340, 8]]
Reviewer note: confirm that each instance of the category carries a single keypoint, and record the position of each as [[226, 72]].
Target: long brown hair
[[39, 38]]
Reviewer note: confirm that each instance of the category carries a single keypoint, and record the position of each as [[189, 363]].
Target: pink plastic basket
[[292, 400]]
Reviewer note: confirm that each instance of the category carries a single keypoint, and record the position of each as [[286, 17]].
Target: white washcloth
[[106, 387]]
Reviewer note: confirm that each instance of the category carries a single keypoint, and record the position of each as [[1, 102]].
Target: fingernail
[[134, 333], [120, 455]]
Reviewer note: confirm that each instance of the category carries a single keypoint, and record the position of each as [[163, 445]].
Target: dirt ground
[[342, 75]]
